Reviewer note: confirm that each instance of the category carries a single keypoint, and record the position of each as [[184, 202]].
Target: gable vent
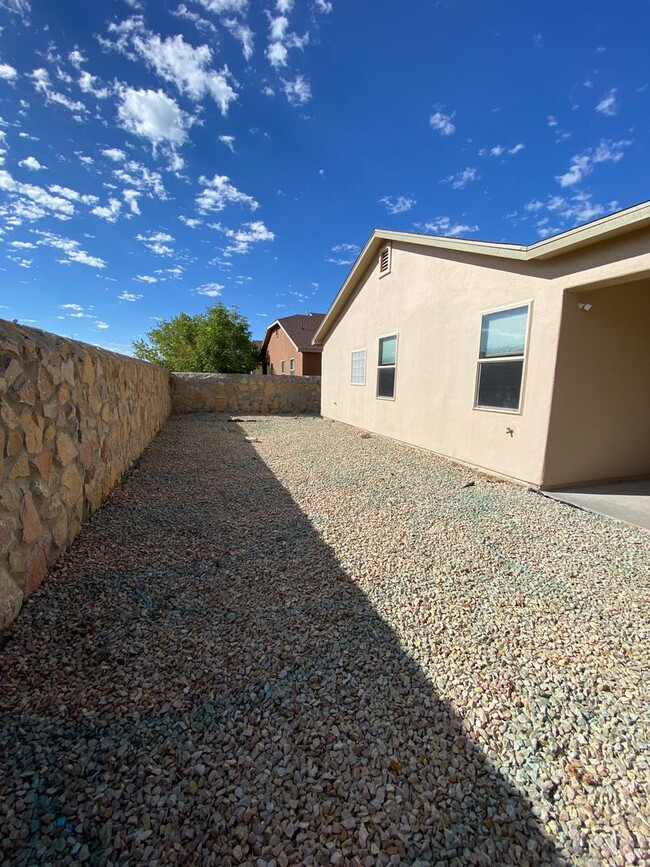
[[384, 261]]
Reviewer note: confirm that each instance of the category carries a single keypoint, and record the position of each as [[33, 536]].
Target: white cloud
[[298, 91], [608, 105], [219, 192], [31, 202], [135, 174], [499, 150], [41, 81], [129, 296], [442, 122], [22, 245], [114, 154], [243, 33], [102, 326], [157, 242], [243, 238], [324, 6], [551, 120], [447, 227], [31, 163], [73, 195], [219, 7], [18, 7], [131, 198], [76, 58], [8, 73], [572, 210], [87, 85], [277, 54], [109, 212], [212, 290], [145, 278], [190, 221], [153, 115], [583, 164], [71, 249], [228, 141], [461, 179], [200, 23], [346, 248], [398, 205], [516, 148]]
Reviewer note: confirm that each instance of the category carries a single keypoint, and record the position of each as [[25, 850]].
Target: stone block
[[20, 469], [36, 569], [14, 443], [32, 527], [11, 599], [66, 449], [43, 463], [27, 393], [8, 537], [44, 383]]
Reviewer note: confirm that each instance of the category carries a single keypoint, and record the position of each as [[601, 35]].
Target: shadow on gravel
[[199, 682]]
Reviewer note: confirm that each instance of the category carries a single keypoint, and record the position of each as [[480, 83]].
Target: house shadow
[[200, 682]]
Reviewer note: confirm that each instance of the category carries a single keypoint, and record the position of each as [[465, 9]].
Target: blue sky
[[156, 156]]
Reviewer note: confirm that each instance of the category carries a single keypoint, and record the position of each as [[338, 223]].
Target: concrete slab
[[624, 501]]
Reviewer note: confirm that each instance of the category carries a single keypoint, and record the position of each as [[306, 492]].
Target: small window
[[386, 366], [272, 368], [358, 372], [282, 367], [501, 359], [385, 260], [292, 365]]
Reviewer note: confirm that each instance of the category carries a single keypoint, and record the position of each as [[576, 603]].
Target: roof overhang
[[267, 335], [630, 220]]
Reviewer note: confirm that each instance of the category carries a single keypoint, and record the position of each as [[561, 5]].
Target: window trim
[[523, 357], [292, 365], [365, 366], [388, 247], [381, 337]]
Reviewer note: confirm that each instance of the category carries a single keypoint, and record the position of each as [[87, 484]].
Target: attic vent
[[384, 261]]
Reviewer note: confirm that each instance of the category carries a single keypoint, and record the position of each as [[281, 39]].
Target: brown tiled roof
[[301, 329]]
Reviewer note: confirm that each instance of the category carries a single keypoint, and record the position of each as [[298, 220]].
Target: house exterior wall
[[600, 418], [311, 363], [279, 349], [433, 300]]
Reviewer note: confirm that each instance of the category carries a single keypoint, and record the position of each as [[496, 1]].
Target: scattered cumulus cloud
[[398, 205], [212, 290], [32, 164], [583, 164], [152, 115], [8, 73], [157, 242], [70, 248], [608, 105], [114, 154], [129, 296], [145, 278], [242, 239], [442, 122], [447, 227], [559, 212], [219, 192], [298, 91], [461, 179], [228, 141], [109, 212]]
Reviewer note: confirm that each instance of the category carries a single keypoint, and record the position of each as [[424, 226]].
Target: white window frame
[[292, 365], [381, 337], [523, 357], [387, 250], [365, 365], [282, 363]]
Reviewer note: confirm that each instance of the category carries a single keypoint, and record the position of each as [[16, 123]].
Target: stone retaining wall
[[73, 418], [241, 393]]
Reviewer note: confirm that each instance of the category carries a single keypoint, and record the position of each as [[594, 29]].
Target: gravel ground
[[283, 641]]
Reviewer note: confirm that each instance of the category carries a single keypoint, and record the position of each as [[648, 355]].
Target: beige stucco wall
[[433, 300], [600, 418], [73, 418]]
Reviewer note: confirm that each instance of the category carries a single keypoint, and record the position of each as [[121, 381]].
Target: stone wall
[[241, 393], [73, 418]]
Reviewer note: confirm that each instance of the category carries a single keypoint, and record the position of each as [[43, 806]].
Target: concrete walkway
[[624, 501]]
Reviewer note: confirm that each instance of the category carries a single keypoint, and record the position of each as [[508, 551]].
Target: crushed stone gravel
[[282, 641]]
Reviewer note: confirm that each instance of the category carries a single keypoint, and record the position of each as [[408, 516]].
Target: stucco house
[[287, 346], [530, 362]]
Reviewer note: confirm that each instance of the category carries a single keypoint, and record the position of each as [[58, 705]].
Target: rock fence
[[241, 393], [73, 418]]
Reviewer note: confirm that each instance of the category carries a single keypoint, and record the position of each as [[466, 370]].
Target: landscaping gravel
[[283, 641]]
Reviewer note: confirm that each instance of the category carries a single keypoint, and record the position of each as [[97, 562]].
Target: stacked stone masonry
[[73, 418], [240, 393]]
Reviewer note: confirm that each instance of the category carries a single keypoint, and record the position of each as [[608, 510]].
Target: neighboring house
[[531, 362], [260, 367], [287, 346]]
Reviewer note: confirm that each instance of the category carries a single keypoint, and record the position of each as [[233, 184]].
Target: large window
[[386, 366], [358, 371], [501, 359], [292, 365]]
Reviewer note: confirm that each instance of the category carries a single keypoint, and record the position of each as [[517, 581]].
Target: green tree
[[217, 341]]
